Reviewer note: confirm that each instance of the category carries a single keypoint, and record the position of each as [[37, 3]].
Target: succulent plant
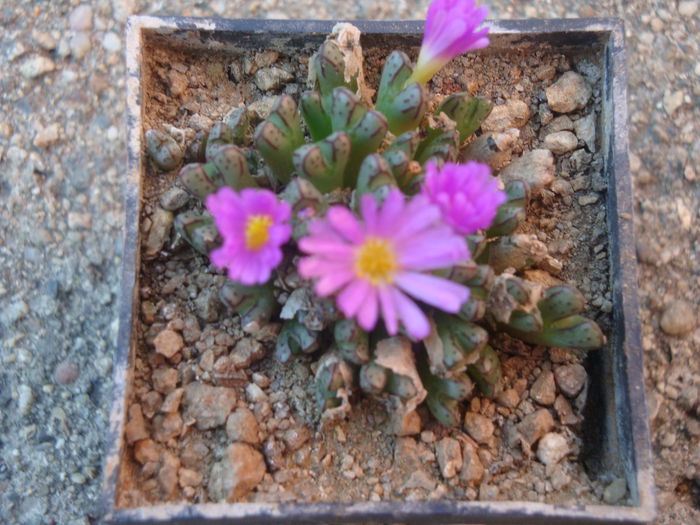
[[297, 186]]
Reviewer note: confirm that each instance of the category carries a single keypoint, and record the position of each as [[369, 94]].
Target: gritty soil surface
[[201, 382], [62, 159]]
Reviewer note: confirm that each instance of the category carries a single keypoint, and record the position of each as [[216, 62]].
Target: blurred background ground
[[62, 163]]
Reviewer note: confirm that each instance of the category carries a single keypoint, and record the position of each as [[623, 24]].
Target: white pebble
[[25, 399], [552, 448]]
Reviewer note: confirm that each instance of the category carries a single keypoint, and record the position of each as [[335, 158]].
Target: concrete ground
[[62, 161]]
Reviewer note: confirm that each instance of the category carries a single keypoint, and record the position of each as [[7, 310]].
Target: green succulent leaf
[[407, 110], [329, 66], [295, 338], [323, 163], [486, 372], [365, 137], [255, 304], [373, 378], [352, 341], [220, 135], [346, 109], [277, 137], [458, 343], [556, 321], [316, 119], [438, 145], [468, 112], [512, 212], [232, 164], [403, 105], [239, 124], [198, 230], [332, 375], [444, 409], [407, 142], [196, 151], [163, 150], [200, 180], [444, 393], [375, 177]]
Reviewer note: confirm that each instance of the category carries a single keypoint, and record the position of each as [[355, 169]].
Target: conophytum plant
[[334, 214]]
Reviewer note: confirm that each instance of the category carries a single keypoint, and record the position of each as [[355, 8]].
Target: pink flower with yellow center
[[377, 262], [467, 194], [450, 30], [254, 226]]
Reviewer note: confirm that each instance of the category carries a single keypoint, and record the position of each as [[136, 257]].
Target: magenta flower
[[450, 30], [376, 262], [467, 194], [253, 224]]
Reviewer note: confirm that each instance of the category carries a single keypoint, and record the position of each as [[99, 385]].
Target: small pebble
[[513, 114], [615, 491], [678, 318], [561, 142], [589, 198], [66, 372], [478, 427], [80, 44], [570, 378], [111, 42], [25, 399], [535, 167], [569, 93], [47, 136], [552, 448], [81, 18], [688, 8], [37, 66], [543, 389], [168, 343], [449, 456]]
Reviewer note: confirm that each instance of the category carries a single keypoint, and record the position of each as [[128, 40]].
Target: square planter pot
[[616, 436]]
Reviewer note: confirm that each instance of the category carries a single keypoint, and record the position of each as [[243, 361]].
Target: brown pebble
[[146, 451], [478, 426], [190, 478], [168, 343], [164, 380], [678, 318], [570, 378], [239, 471], [135, 429], [535, 425], [66, 372], [543, 389]]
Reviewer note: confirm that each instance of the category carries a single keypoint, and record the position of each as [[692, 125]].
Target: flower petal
[[345, 223], [391, 212], [428, 252], [413, 319], [435, 291], [367, 316], [332, 281], [351, 298], [388, 310], [368, 211]]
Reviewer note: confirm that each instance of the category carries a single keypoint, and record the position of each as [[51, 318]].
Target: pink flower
[[450, 30], [253, 224], [375, 262], [467, 194]]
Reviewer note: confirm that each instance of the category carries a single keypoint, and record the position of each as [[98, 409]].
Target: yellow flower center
[[257, 231], [375, 260]]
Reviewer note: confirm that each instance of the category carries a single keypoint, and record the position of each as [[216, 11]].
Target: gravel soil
[[62, 158]]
